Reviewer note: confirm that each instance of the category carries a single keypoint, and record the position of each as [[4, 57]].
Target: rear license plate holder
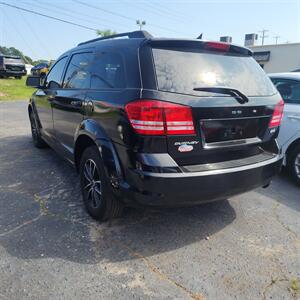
[[225, 132]]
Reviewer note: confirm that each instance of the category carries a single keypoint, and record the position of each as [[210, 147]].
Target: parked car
[[40, 69], [288, 84], [12, 66], [159, 122]]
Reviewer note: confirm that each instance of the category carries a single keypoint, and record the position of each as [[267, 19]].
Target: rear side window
[[289, 90], [108, 71], [182, 71], [78, 75], [53, 80]]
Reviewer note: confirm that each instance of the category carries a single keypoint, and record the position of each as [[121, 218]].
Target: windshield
[[13, 61], [183, 71]]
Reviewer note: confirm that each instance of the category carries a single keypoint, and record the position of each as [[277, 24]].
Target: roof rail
[[131, 35]]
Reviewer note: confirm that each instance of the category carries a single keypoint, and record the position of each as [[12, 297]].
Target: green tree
[[16, 52], [105, 32], [28, 59]]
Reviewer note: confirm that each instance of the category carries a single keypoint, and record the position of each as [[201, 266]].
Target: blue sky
[[39, 37]]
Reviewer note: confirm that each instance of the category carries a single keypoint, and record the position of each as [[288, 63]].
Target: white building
[[272, 58], [277, 58]]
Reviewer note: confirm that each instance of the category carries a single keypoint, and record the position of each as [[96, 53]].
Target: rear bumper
[[8, 73], [180, 189]]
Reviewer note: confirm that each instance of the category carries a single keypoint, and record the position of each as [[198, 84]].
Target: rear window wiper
[[239, 96]]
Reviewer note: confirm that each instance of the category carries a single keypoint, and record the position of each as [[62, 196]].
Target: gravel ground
[[247, 247]]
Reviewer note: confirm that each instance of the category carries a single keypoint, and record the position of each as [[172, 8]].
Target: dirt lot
[[245, 248]]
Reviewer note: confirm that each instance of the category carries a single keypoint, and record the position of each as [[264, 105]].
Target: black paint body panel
[[65, 115]]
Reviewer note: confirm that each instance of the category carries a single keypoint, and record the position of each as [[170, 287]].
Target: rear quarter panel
[[290, 126]]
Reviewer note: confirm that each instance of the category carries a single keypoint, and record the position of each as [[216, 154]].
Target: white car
[[288, 84]]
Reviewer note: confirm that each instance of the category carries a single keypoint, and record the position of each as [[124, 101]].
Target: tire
[[294, 164], [35, 132], [96, 190]]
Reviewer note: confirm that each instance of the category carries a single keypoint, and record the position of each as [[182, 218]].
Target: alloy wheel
[[34, 129], [92, 184], [297, 165]]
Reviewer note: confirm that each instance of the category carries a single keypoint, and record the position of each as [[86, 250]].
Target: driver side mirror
[[35, 81]]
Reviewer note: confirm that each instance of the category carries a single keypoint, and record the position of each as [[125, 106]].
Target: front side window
[[289, 90], [78, 74], [53, 80], [108, 71]]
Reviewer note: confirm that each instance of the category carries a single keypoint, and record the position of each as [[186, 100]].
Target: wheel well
[[292, 146], [29, 109], [83, 141]]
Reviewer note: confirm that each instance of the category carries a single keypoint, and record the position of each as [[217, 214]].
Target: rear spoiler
[[202, 45]]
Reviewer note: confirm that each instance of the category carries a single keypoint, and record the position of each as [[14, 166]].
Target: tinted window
[[182, 71], [107, 71], [77, 74], [53, 80], [289, 90]]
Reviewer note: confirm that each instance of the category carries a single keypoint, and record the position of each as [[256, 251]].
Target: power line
[[276, 37], [60, 10], [166, 11], [49, 17], [121, 16], [155, 11], [170, 10], [105, 10], [282, 37], [263, 35], [87, 15], [21, 36], [40, 41]]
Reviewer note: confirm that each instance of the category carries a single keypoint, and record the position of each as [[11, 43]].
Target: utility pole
[[276, 37], [263, 35], [140, 23]]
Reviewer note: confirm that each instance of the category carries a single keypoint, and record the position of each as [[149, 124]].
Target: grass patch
[[295, 285], [14, 89]]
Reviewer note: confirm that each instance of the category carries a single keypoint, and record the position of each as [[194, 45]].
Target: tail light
[[277, 115], [153, 117], [217, 46]]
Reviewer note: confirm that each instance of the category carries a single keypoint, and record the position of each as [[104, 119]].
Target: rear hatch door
[[228, 125]]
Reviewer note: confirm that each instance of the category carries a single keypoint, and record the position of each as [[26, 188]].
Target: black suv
[[159, 122], [12, 66]]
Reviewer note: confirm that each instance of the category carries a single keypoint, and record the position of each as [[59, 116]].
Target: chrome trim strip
[[237, 118], [232, 143], [215, 172]]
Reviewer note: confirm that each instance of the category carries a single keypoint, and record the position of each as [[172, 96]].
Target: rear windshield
[[182, 71], [16, 61]]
